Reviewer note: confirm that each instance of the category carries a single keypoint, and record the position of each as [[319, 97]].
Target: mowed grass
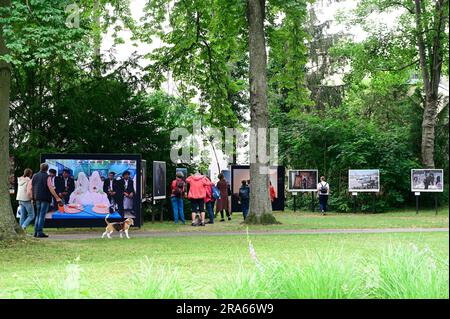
[[305, 220], [410, 265]]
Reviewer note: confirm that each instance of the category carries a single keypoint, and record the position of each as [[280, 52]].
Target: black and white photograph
[[363, 180], [427, 180]]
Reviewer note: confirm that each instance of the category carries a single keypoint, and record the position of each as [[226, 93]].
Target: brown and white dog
[[121, 227]]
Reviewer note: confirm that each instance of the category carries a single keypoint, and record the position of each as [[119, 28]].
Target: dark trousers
[[210, 210], [198, 205], [245, 203], [323, 200]]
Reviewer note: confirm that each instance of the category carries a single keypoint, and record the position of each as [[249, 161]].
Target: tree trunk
[[260, 205], [428, 132], [9, 228], [431, 67]]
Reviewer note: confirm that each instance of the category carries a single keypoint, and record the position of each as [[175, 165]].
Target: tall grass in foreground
[[148, 282], [400, 272], [151, 282]]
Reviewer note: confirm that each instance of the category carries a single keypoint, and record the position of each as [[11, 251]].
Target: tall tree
[[417, 41], [260, 206], [430, 41], [8, 225]]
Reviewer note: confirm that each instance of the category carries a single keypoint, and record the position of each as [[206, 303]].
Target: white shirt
[[319, 186]]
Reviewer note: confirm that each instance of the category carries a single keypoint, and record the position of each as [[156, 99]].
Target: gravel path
[[152, 234]]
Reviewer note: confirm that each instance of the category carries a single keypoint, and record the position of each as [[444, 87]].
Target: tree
[[260, 206], [430, 42], [418, 41], [8, 225]]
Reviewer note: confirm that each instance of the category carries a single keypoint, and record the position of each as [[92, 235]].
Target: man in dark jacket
[[42, 190], [112, 189], [125, 193], [244, 198], [65, 185]]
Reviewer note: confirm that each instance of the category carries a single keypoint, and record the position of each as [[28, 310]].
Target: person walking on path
[[197, 195], [244, 198], [24, 197], [222, 203], [42, 190], [323, 191], [177, 198]]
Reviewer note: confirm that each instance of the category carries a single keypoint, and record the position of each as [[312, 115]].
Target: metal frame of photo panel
[[291, 190], [427, 190], [82, 223], [364, 190], [153, 180], [278, 204]]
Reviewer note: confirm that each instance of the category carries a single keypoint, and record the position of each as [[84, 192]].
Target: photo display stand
[[354, 195], [159, 188], [364, 181], [427, 181], [303, 181]]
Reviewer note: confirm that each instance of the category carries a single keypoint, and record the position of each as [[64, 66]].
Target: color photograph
[[303, 180], [159, 180], [92, 189]]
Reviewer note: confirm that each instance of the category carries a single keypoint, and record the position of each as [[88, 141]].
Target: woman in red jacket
[[197, 194]]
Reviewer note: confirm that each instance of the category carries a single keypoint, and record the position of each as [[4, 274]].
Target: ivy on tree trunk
[[8, 226]]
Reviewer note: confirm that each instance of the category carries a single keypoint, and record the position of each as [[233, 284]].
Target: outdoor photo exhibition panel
[[159, 180], [242, 172], [427, 180], [144, 180], [364, 180], [183, 171], [89, 195], [303, 180]]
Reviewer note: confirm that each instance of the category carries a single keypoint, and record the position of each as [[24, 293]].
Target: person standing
[[209, 200], [197, 195], [24, 198], [222, 202], [244, 198], [323, 191], [65, 185], [42, 190], [111, 188], [272, 193], [178, 187]]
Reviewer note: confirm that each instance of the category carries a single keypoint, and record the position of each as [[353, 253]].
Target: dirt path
[[152, 234]]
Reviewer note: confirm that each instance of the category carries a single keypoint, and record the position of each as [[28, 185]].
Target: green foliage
[[400, 272]]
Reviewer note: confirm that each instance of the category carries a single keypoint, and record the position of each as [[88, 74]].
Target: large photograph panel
[[241, 173], [364, 180], [159, 180], [302, 180], [93, 186], [427, 180]]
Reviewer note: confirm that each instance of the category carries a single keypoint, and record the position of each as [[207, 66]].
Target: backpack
[[179, 188], [215, 192], [244, 193], [323, 188]]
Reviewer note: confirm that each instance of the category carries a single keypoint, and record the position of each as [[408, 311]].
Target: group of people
[[44, 191], [204, 195]]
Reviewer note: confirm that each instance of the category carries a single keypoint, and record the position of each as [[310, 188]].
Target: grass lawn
[[395, 265], [303, 220]]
